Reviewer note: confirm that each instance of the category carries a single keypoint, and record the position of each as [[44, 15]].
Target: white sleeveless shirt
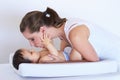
[[101, 40]]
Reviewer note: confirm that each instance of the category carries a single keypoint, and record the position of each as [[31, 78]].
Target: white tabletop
[[6, 73]]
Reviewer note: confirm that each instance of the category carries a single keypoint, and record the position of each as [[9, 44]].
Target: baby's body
[[31, 56], [48, 54], [41, 56], [45, 56]]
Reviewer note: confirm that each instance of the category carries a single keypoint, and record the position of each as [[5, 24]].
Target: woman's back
[[102, 40]]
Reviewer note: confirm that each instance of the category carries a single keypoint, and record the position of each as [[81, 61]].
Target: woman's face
[[34, 38], [31, 55]]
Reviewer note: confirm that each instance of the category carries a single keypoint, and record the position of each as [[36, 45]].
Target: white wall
[[105, 13]]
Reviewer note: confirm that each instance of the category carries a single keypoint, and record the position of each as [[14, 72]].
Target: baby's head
[[24, 56]]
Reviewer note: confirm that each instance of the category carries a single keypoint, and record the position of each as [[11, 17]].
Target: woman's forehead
[[27, 32], [29, 35]]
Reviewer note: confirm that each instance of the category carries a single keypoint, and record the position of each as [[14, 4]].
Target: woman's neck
[[61, 33]]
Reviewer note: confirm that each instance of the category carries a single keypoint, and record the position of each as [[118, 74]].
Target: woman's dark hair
[[18, 59], [35, 19]]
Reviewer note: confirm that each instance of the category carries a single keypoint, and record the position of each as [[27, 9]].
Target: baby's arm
[[48, 44]]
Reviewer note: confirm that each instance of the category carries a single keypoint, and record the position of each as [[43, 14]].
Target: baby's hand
[[46, 40]]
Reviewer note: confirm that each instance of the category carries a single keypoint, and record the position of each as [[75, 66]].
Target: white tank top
[[101, 40]]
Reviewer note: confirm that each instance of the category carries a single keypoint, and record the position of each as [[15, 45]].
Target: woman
[[89, 40]]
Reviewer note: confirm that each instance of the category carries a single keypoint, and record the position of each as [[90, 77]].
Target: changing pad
[[65, 69]]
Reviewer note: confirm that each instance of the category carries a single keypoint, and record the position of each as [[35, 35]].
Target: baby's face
[[31, 55]]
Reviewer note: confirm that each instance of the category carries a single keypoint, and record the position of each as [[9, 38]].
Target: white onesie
[[105, 43]]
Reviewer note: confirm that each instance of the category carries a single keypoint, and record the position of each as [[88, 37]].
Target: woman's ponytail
[[48, 17], [51, 18]]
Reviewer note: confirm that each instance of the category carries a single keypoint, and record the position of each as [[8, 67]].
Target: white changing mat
[[65, 69]]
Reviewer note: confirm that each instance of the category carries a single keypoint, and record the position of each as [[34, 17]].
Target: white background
[[105, 13]]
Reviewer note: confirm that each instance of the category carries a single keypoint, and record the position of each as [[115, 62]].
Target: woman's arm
[[79, 40]]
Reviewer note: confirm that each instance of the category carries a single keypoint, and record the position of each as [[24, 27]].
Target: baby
[[31, 56]]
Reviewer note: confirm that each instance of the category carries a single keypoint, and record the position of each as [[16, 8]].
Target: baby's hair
[[18, 59]]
